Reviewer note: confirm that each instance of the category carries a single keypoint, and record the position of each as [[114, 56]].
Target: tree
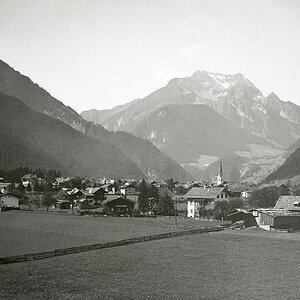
[[76, 182], [11, 188], [48, 200], [180, 190], [165, 206], [153, 198], [21, 187], [28, 188], [171, 184], [264, 198], [224, 208], [143, 197]]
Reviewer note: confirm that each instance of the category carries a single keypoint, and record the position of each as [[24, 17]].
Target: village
[[273, 207]]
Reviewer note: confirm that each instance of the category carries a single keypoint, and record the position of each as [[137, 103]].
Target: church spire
[[220, 180]]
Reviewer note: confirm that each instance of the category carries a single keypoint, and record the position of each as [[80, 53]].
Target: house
[[99, 194], [9, 201], [3, 186], [60, 182], [202, 197], [109, 188], [239, 191], [128, 189], [120, 206], [84, 195], [291, 203]]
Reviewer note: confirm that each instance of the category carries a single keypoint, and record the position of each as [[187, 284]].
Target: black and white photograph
[[150, 149]]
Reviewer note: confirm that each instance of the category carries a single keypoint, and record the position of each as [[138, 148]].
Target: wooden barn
[[276, 219], [120, 206], [242, 215]]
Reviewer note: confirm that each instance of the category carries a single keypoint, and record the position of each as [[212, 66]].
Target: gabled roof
[[288, 202], [164, 191], [86, 193], [128, 185], [277, 212], [93, 190], [204, 193]]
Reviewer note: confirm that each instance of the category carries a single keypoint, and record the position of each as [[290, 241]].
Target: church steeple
[[220, 180]]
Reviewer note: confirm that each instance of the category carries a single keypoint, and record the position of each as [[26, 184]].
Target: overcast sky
[[98, 54]]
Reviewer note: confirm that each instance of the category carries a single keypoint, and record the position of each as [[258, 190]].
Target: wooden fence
[[78, 249]]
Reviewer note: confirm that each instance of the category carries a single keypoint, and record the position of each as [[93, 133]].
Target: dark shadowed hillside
[[54, 144], [15, 152], [289, 169], [15, 84]]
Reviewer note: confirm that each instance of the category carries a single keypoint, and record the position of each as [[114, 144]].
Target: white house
[[202, 197], [8, 201], [128, 189]]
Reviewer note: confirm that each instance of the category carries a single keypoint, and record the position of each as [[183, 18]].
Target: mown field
[[247, 264], [26, 232]]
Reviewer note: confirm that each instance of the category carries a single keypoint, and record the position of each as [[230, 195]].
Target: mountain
[[196, 136], [233, 96], [289, 169], [269, 124], [99, 116], [15, 84], [184, 131], [35, 140]]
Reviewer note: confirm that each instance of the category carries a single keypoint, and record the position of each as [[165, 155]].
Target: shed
[[9, 201], [242, 215]]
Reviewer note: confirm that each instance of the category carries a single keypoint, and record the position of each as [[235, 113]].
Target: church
[[204, 198]]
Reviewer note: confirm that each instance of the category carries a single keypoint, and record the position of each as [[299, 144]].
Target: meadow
[[27, 232], [239, 264]]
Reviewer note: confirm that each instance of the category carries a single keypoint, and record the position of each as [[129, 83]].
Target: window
[[191, 210], [221, 195], [225, 195]]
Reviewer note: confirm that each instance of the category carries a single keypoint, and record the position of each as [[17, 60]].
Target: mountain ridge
[[15, 84], [58, 145], [233, 96]]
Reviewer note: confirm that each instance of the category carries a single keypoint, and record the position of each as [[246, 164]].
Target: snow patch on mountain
[[222, 79]]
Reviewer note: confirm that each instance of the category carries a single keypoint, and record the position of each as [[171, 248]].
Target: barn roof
[[288, 202], [277, 212], [238, 211], [204, 193]]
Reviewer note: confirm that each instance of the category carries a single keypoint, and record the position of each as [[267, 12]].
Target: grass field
[[247, 264], [27, 232]]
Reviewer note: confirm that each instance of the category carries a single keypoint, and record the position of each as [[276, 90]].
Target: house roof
[[86, 193], [164, 191], [287, 202], [277, 212], [93, 190], [204, 193], [118, 197]]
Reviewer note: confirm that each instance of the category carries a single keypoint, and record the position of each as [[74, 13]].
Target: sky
[[99, 54]]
